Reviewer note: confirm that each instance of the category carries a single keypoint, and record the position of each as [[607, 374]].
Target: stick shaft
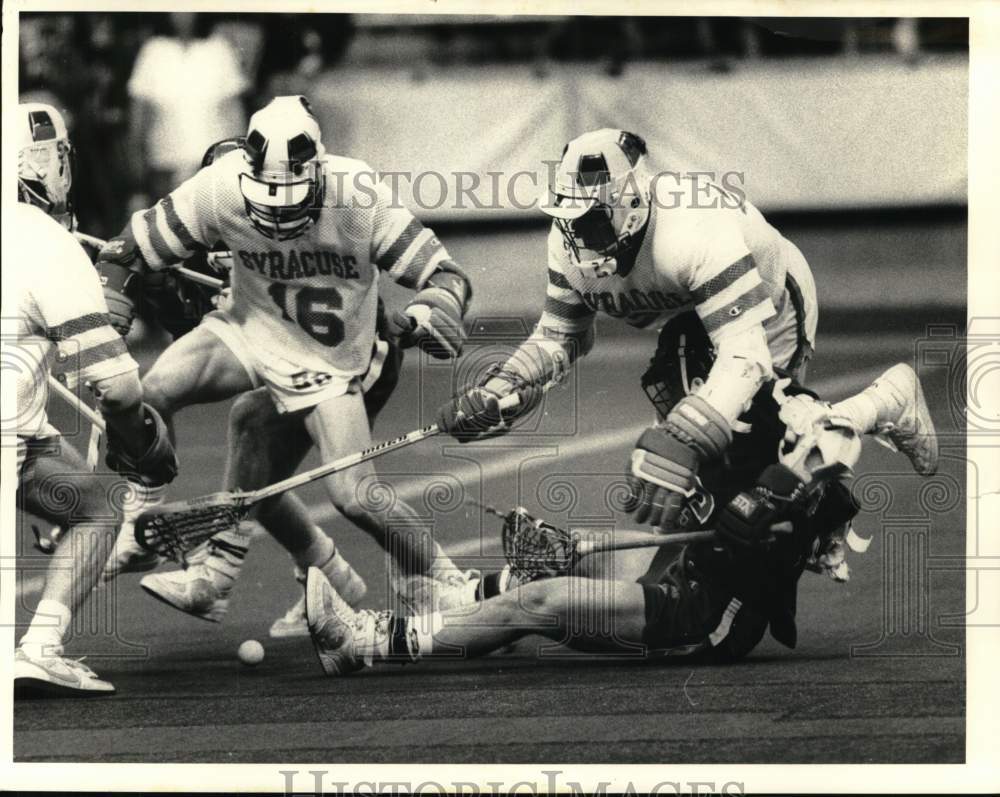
[[641, 539], [92, 240], [351, 460], [187, 273], [77, 403], [196, 276], [344, 463], [94, 447]]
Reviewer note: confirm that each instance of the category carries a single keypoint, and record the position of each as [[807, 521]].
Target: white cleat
[[342, 577], [193, 591], [292, 623], [909, 428], [55, 676], [422, 594], [333, 626]]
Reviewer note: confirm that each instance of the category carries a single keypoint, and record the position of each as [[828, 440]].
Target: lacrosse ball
[[251, 653]]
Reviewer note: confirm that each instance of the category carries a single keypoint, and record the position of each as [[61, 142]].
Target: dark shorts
[[690, 612]]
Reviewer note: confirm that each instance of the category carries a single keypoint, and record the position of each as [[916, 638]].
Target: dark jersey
[[717, 601]]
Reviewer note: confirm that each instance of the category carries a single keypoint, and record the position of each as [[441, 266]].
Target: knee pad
[[157, 465]]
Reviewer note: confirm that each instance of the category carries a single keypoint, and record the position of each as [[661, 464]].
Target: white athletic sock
[[859, 411], [399, 639], [139, 499], [225, 558], [320, 551], [48, 627]]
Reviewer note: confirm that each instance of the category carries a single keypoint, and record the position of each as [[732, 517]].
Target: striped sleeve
[[77, 322], [726, 287], [179, 225], [402, 247], [564, 310]]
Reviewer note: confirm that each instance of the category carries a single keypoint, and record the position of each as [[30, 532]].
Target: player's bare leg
[[339, 426], [265, 446], [198, 368], [317, 549], [91, 525], [346, 640]]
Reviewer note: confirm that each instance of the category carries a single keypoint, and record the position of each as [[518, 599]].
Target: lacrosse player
[[62, 317], [773, 515], [263, 446], [643, 248], [309, 233]]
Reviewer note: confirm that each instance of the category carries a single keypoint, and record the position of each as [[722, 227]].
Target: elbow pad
[[742, 365]]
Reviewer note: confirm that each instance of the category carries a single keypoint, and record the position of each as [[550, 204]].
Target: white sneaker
[[202, 590], [909, 428], [193, 591], [55, 676], [422, 594], [333, 626], [342, 577]]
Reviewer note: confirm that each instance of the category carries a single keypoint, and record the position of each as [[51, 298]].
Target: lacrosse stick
[[537, 549], [175, 528], [47, 545], [189, 274]]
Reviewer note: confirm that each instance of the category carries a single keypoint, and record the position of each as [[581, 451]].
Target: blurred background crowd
[[145, 93]]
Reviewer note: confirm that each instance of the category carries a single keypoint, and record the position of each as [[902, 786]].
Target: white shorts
[[291, 388]]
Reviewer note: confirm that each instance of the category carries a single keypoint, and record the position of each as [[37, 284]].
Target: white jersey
[[307, 304], [62, 318], [725, 262]]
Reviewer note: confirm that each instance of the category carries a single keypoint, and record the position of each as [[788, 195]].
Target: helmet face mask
[[279, 208], [284, 186], [45, 162], [600, 199]]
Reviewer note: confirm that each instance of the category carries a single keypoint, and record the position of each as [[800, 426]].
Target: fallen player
[[773, 513]]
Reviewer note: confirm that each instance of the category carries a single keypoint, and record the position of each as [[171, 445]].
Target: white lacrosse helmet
[[44, 161], [600, 198], [284, 185]]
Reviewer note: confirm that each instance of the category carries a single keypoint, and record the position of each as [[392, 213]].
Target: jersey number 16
[[313, 310]]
